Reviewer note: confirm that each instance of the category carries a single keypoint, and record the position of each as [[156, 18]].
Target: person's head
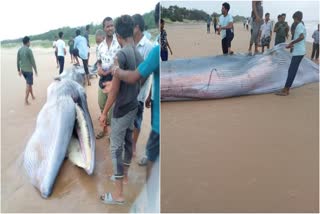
[[138, 24], [283, 16], [279, 18], [108, 26], [78, 32], [225, 8], [100, 36], [88, 28], [26, 41], [124, 28], [297, 16], [157, 14], [60, 34], [267, 17], [55, 38], [161, 24]]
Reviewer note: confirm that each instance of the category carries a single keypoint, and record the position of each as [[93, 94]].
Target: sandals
[[108, 199]]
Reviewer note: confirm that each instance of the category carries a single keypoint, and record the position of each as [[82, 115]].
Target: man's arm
[[229, 26], [33, 62], [18, 61], [169, 46], [300, 38]]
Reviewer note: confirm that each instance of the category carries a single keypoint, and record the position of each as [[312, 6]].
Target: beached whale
[[63, 128], [232, 75]]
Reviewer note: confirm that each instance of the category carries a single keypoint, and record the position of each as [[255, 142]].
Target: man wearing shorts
[[25, 63], [265, 32], [257, 21]]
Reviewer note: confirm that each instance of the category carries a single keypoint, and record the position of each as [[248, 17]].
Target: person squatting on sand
[[299, 50], [124, 98], [226, 28], [25, 63]]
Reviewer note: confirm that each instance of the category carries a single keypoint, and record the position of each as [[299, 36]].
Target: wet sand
[[244, 154], [74, 190]]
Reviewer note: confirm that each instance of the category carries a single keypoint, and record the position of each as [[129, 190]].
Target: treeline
[[175, 13], [69, 32]]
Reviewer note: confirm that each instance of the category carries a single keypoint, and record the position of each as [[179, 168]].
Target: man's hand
[[170, 51], [102, 120], [290, 45], [148, 102]]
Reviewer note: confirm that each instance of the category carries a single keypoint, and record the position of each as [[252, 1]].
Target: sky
[[310, 9], [19, 18]]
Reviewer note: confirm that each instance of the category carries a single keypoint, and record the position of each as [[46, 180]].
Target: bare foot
[[125, 179], [283, 92]]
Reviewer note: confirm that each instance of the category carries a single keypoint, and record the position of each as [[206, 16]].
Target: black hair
[[226, 6], [267, 14], [105, 20], [25, 40], [298, 15], [87, 27], [138, 20], [283, 14], [124, 26], [157, 13], [60, 34], [78, 32], [161, 21], [279, 16]]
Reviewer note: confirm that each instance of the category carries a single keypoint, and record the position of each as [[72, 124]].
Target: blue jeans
[[293, 68]]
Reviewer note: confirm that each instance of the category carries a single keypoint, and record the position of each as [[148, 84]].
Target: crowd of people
[[128, 66]]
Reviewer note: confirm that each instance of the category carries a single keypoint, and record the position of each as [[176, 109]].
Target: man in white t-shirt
[[107, 51], [226, 29], [61, 51], [265, 32], [144, 46], [299, 50]]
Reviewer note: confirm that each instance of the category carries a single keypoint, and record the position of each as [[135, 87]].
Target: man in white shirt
[[226, 29], [107, 51], [265, 32], [144, 46], [299, 50], [61, 51]]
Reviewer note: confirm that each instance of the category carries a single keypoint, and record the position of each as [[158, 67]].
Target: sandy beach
[[74, 190], [244, 154]]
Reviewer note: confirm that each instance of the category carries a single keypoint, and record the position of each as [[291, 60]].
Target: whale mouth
[[79, 150]]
